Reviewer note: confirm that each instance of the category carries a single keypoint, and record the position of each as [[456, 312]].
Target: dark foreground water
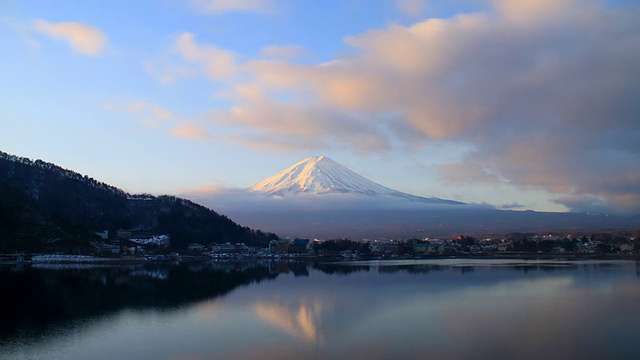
[[440, 309]]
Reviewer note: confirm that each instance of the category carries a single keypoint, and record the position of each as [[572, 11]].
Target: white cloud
[[139, 106], [158, 117], [83, 38], [217, 63], [147, 114], [191, 131]]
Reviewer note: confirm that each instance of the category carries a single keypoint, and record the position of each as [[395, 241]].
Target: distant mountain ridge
[[321, 175], [43, 206]]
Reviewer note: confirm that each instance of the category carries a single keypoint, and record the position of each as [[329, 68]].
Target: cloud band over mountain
[[545, 92]]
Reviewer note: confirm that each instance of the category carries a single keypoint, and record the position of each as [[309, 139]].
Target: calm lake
[[436, 309]]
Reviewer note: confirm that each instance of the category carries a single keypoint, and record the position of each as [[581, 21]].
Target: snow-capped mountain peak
[[321, 175]]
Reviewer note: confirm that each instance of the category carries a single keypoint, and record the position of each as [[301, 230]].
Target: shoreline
[[83, 259]]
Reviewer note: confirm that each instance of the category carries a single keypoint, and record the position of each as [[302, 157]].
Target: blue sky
[[527, 104]]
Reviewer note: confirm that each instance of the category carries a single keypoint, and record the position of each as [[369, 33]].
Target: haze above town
[[523, 104]]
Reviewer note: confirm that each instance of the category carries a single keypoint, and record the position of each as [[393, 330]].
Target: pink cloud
[[83, 38], [191, 131], [217, 63], [548, 102]]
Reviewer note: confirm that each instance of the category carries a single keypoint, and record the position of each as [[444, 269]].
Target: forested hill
[[43, 206]]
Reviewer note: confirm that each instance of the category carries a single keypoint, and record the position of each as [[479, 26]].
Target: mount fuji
[[320, 175], [319, 198]]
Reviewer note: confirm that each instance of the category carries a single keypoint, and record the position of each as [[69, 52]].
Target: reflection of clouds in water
[[526, 319], [514, 314], [529, 318], [299, 318]]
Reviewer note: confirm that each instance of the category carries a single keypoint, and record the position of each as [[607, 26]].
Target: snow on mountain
[[321, 175]]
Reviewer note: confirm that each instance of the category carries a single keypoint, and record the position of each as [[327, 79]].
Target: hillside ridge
[[47, 207]]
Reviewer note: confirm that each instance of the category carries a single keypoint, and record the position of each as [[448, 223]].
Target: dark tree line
[[44, 207]]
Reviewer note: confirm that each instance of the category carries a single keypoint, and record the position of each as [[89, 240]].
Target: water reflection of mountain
[[298, 318], [35, 299]]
